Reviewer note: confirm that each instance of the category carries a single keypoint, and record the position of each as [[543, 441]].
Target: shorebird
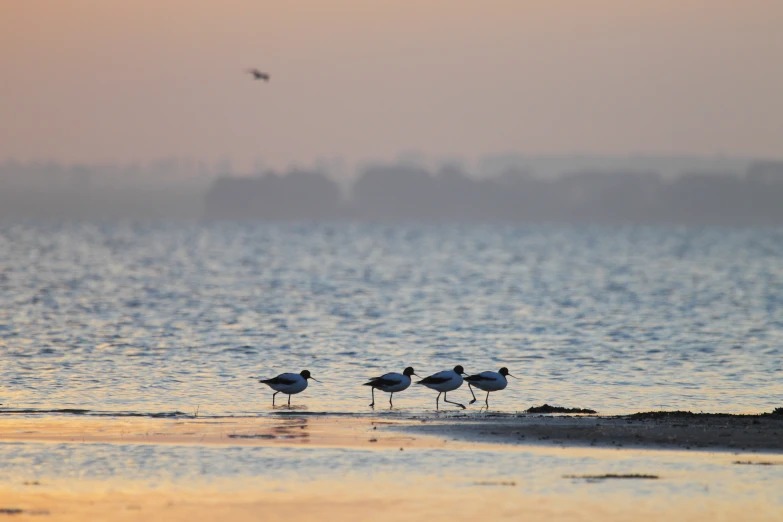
[[488, 382], [390, 383], [258, 75], [288, 383], [443, 382]]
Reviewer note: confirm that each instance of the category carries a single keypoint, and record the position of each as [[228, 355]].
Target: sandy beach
[[393, 473]]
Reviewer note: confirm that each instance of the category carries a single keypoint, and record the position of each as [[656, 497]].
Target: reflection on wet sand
[[288, 429], [292, 429], [327, 467]]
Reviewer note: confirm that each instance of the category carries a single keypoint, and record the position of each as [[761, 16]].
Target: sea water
[[175, 317]]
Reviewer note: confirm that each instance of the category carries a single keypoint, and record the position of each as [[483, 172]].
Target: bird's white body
[[288, 383], [445, 381], [391, 382], [488, 381]]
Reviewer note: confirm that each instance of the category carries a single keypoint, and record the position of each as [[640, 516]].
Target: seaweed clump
[[665, 415], [777, 412], [546, 408]]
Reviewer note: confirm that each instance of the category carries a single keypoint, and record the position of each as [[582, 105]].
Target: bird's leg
[[391, 404], [473, 394], [487, 401], [372, 405], [452, 402], [289, 400], [273, 398], [436, 402]]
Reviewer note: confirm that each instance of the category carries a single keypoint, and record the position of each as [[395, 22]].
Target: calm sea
[[152, 318]]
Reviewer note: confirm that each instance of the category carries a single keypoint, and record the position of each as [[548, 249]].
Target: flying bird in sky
[[258, 75]]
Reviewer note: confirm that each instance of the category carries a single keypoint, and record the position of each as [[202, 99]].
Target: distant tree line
[[403, 193], [53, 191], [192, 190]]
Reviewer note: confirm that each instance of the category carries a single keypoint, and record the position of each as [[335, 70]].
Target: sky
[[102, 81]]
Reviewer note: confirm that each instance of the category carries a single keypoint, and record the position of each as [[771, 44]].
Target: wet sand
[[326, 431], [418, 493], [322, 502], [705, 432]]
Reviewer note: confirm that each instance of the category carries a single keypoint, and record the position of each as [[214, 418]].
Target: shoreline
[[650, 430]]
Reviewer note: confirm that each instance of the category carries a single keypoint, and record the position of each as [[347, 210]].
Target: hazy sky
[[105, 80]]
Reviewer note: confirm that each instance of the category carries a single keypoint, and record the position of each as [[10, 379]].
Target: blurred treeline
[[400, 193], [752, 196]]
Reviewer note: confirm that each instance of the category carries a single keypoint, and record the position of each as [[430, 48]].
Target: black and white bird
[[258, 75], [392, 383], [488, 382], [288, 383], [443, 382]]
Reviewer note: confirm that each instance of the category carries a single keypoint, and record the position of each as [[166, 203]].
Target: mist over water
[[169, 317]]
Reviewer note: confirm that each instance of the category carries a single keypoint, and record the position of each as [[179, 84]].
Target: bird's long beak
[[314, 379], [514, 376], [417, 375]]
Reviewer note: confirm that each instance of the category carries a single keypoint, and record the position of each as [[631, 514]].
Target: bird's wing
[[481, 377], [438, 378], [389, 379], [284, 379]]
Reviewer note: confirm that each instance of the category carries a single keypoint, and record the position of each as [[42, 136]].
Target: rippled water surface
[[171, 317]]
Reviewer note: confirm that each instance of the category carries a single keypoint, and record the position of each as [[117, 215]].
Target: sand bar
[[681, 431]]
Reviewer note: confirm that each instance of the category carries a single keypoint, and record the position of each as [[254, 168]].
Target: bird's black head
[[459, 370], [306, 375], [408, 371], [503, 371]]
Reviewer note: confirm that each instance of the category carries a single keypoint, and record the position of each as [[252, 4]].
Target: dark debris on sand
[[546, 408], [257, 436], [17, 511], [778, 412], [612, 476], [92, 413]]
